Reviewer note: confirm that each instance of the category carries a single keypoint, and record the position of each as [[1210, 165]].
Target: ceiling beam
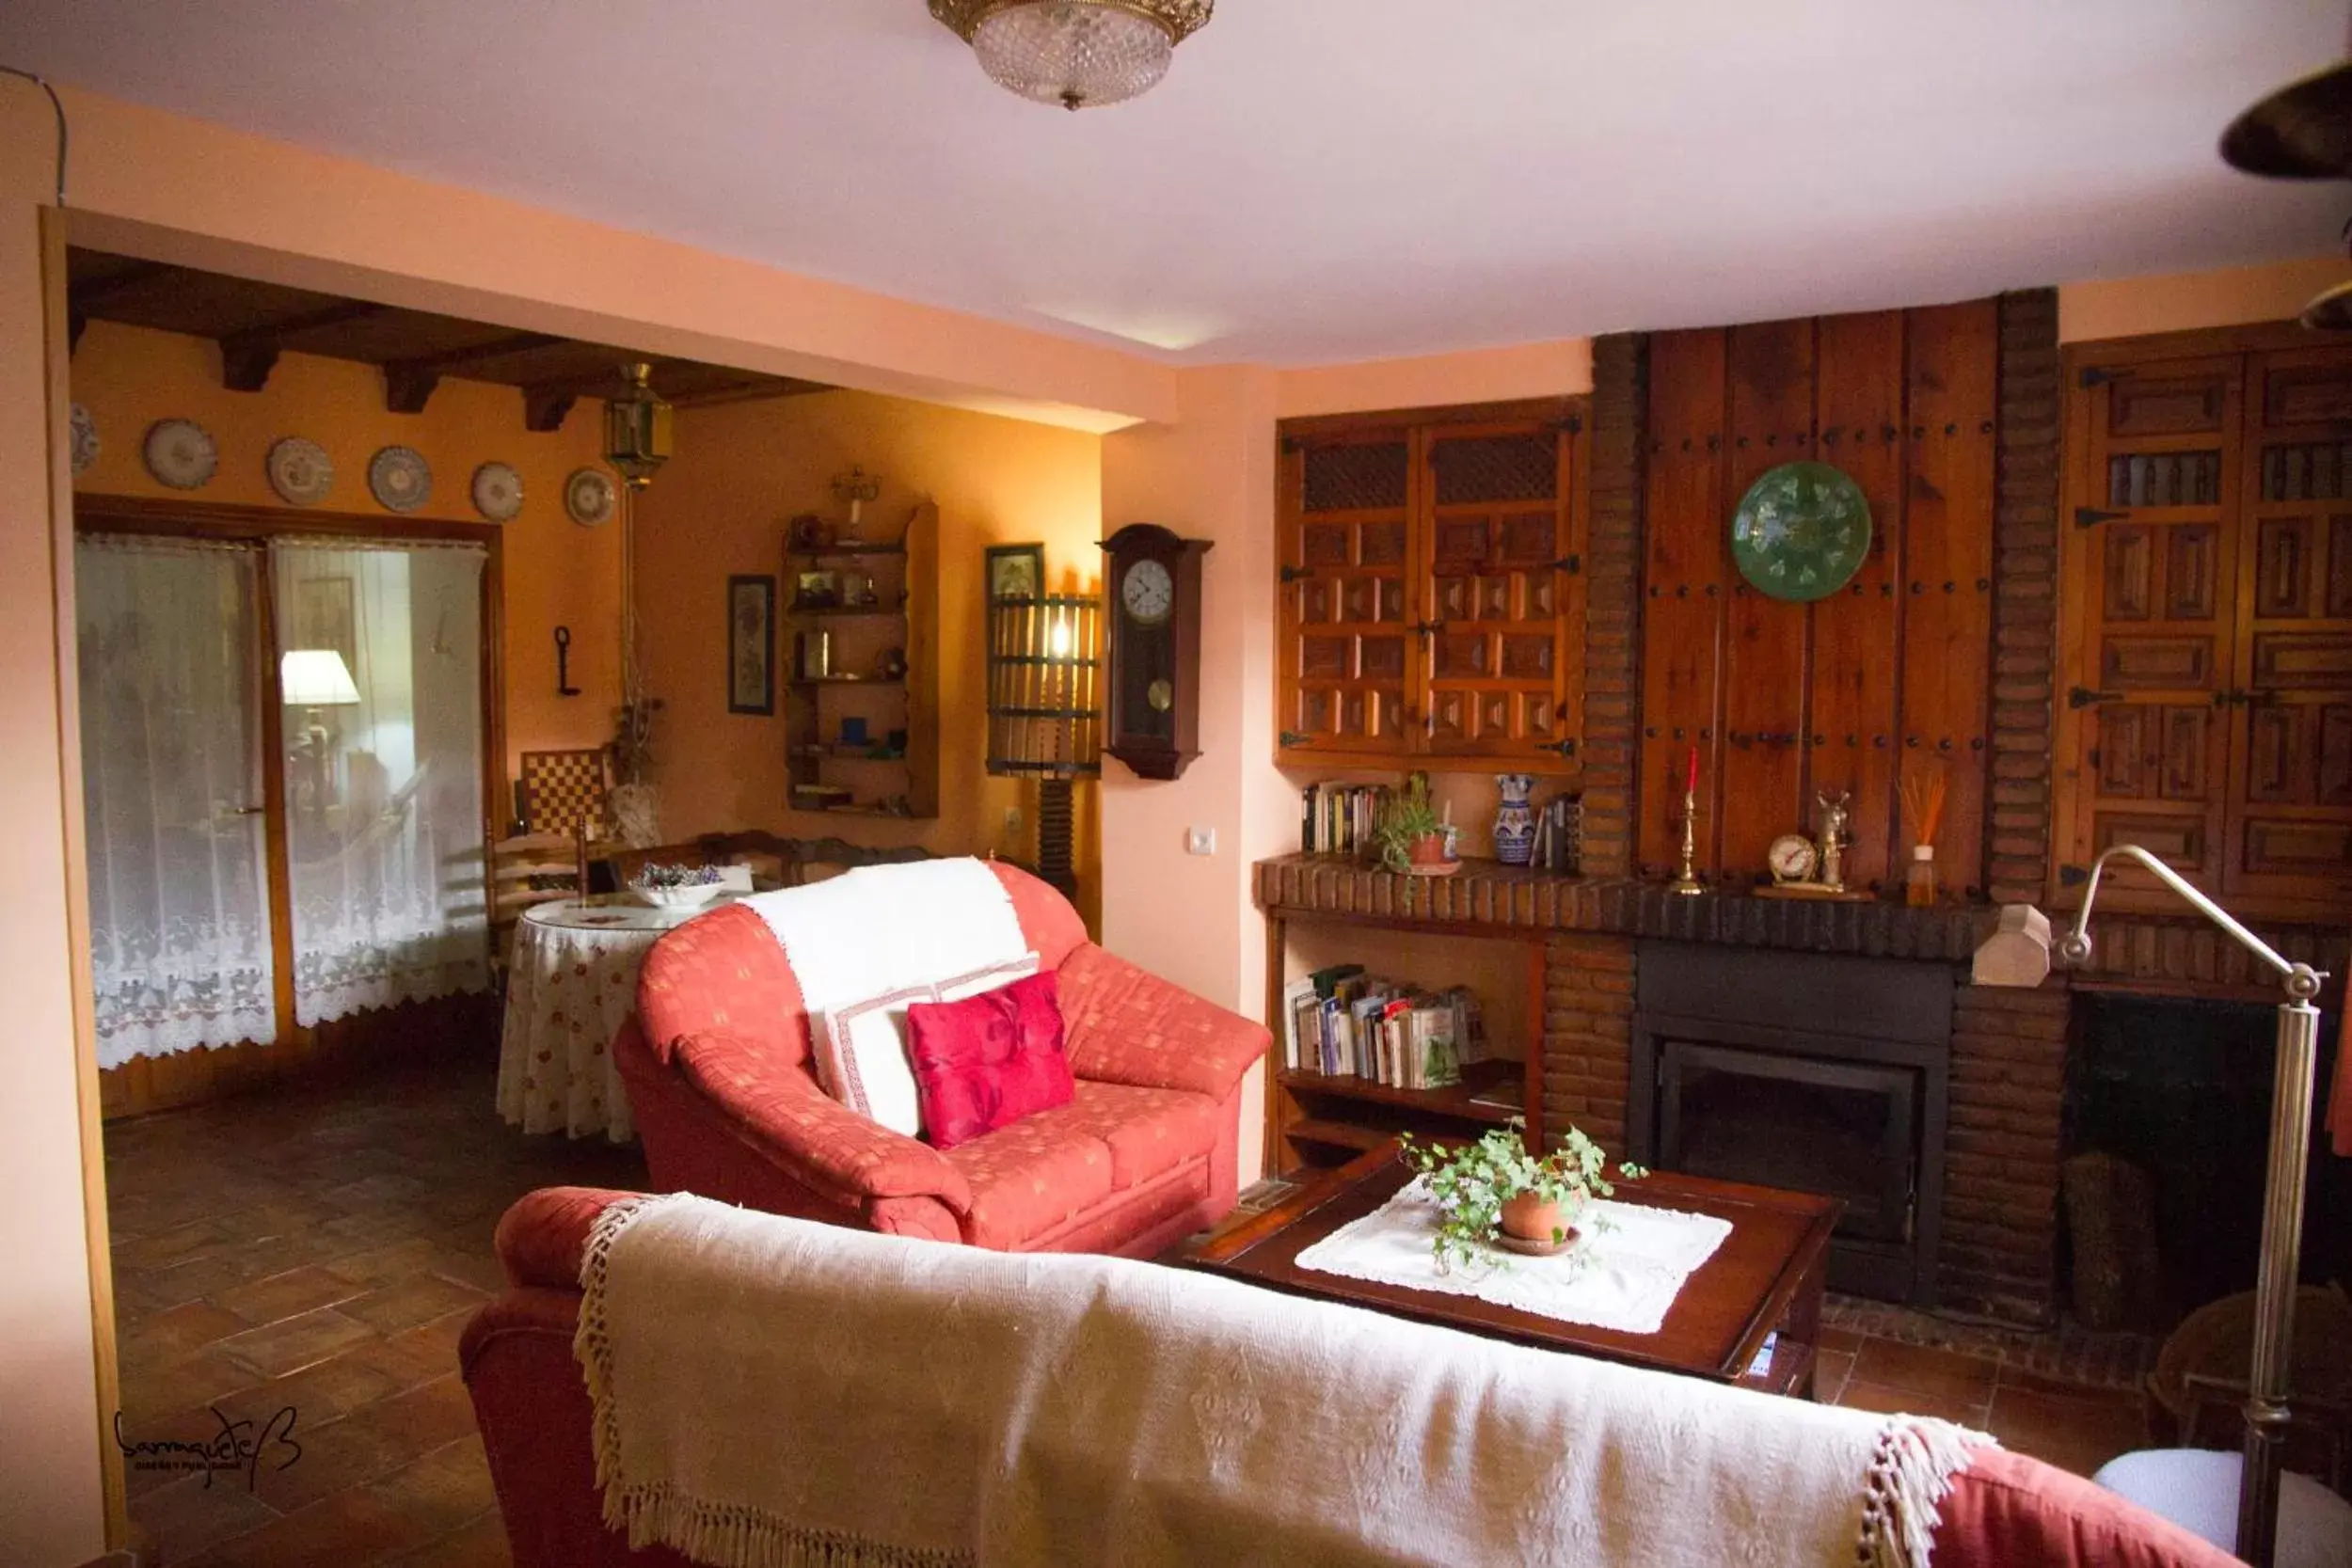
[[248, 357], [545, 409], [409, 383], [83, 299]]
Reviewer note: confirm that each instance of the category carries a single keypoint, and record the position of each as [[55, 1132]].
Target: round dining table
[[571, 982]]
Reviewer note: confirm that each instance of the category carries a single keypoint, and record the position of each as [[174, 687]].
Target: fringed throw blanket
[[773, 1393]]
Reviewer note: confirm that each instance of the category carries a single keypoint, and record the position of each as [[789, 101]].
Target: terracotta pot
[[1532, 1218], [1429, 859]]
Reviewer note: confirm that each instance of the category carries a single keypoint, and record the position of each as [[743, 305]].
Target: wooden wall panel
[[1952, 374], [1766, 653], [1785, 699], [1686, 570], [1853, 743]]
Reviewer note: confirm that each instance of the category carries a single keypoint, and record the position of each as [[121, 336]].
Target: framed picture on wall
[[1016, 571], [751, 645], [323, 617]]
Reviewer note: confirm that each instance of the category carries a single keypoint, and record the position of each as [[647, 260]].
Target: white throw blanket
[[881, 928], [774, 1393], [1622, 1273]]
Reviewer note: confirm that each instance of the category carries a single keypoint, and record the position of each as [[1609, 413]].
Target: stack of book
[[1340, 819], [1342, 1022]]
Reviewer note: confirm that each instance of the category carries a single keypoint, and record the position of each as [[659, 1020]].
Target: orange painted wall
[[557, 573], [2176, 302], [1559, 369], [720, 506]]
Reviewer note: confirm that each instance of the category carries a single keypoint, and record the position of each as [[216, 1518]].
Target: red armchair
[[717, 1063]]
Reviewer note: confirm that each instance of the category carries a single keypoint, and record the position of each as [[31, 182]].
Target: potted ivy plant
[[1495, 1188]]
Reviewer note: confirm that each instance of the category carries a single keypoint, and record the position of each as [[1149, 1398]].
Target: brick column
[[1612, 602], [2001, 1151], [2025, 598], [1588, 1034]]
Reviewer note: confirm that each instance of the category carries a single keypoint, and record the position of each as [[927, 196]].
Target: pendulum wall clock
[[1154, 679]]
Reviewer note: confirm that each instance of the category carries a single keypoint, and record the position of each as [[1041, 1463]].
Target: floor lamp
[[1045, 712], [2018, 948]]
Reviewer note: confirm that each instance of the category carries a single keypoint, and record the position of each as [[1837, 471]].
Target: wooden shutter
[[2289, 829], [1499, 591], [1345, 508], [2151, 586]]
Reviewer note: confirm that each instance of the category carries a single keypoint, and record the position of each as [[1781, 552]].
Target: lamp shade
[[316, 677]]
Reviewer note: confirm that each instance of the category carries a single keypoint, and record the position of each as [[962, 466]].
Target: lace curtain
[[383, 772], [171, 785]]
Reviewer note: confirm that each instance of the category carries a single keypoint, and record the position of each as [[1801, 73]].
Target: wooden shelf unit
[[1313, 1116], [817, 703]]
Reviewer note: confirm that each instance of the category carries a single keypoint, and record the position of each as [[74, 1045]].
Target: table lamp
[[311, 679], [2018, 954], [1045, 710]]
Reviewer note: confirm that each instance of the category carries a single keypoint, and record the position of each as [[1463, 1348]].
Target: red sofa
[[2005, 1510], [718, 1070]]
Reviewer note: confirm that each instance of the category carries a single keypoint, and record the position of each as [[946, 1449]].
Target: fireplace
[[1824, 1074]]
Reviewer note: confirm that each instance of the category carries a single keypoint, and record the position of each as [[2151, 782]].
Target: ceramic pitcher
[[1515, 819]]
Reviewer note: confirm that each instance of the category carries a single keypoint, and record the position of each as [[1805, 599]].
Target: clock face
[[1148, 593], [1792, 858]]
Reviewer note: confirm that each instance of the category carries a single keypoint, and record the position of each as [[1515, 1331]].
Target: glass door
[[181, 936]]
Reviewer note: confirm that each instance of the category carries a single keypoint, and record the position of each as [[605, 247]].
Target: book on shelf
[[1341, 820], [1342, 1022]]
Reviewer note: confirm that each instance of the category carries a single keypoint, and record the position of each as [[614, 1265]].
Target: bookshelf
[[1316, 1119], [899, 781]]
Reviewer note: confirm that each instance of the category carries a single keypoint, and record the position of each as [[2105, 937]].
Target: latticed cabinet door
[[1346, 631], [2289, 828], [1502, 606], [2151, 587]]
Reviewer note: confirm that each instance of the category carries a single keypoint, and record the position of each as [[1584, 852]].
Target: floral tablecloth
[[571, 984]]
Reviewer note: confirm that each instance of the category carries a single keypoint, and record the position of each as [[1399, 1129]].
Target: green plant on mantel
[[1404, 822], [1470, 1183]]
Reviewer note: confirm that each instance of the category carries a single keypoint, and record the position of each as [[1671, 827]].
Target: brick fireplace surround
[[2000, 1227]]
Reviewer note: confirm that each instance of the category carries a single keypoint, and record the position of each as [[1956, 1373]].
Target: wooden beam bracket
[[245, 361], [545, 409], [407, 385]]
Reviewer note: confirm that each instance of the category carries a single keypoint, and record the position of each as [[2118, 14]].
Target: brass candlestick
[[1688, 883]]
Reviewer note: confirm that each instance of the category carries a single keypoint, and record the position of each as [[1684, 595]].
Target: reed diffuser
[[1922, 788]]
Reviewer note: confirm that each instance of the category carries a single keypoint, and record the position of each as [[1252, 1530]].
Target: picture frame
[[817, 591], [324, 615], [1016, 571], [751, 645]]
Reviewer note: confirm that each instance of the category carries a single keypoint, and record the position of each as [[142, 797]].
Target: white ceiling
[[1318, 180]]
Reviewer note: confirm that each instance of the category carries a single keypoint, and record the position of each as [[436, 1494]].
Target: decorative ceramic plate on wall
[[498, 492], [84, 439], [400, 480], [300, 471], [589, 497], [180, 454], [1802, 532]]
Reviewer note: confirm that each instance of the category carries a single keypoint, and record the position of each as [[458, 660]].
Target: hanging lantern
[[637, 428]]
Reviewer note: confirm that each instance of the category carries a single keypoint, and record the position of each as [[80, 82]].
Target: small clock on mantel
[[1154, 677]]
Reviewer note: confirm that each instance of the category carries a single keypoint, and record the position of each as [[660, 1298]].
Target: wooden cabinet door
[[1346, 633], [1498, 580], [2288, 834], [2150, 585]]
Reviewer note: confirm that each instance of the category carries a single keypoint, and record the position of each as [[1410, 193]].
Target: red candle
[[1690, 781]]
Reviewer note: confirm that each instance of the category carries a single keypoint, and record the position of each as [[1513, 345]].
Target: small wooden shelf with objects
[[1385, 1026], [863, 737]]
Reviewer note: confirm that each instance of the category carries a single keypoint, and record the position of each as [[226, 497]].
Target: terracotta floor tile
[[1962, 1379], [383, 1263], [192, 1516], [443, 1490], [350, 1529], [295, 1342], [1861, 1395], [285, 1296], [422, 1354], [2073, 1433], [406, 1302], [180, 1243], [480, 1542], [176, 1332], [318, 1394], [188, 1384], [1830, 1369]]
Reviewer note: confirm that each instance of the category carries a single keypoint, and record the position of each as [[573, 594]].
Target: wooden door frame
[[110, 515]]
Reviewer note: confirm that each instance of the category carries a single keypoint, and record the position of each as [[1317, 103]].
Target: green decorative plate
[[1802, 532]]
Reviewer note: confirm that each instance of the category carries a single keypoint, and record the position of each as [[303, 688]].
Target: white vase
[[636, 815]]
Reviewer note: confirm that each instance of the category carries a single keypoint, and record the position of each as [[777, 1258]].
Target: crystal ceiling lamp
[[1074, 53]]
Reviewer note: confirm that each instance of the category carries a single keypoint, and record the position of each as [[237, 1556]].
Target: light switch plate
[[1201, 841]]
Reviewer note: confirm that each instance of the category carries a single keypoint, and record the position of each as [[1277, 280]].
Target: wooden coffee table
[[1764, 1283]]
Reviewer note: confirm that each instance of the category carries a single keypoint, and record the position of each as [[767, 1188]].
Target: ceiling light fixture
[[1078, 54]]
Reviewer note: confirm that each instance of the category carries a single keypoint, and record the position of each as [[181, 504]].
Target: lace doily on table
[[1622, 1273]]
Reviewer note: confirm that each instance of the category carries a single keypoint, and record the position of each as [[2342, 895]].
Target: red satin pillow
[[988, 1060]]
